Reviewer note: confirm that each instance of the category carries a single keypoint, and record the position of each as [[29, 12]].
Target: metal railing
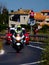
[[38, 37]]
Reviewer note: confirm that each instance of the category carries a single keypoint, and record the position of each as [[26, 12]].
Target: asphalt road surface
[[30, 55]]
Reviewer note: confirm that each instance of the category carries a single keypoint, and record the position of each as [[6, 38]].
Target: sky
[[35, 5]]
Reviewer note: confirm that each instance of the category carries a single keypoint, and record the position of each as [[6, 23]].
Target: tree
[[5, 15], [1, 7]]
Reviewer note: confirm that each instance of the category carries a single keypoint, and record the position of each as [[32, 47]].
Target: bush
[[46, 53], [45, 28], [3, 27]]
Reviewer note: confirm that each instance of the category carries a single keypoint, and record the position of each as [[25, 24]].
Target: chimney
[[19, 9]]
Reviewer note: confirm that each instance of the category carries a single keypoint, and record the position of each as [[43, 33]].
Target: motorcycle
[[27, 38], [8, 38], [18, 42]]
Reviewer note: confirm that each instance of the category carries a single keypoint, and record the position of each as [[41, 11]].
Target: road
[[30, 55]]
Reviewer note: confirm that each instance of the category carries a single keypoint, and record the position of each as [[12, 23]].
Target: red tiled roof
[[21, 11], [45, 11], [39, 16]]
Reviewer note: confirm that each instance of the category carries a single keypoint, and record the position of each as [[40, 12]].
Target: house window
[[24, 17], [39, 20], [48, 13], [16, 18]]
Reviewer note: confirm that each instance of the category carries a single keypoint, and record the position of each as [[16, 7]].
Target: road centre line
[[34, 62], [36, 47]]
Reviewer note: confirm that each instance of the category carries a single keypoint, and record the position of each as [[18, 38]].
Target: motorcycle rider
[[18, 30], [23, 30], [12, 30]]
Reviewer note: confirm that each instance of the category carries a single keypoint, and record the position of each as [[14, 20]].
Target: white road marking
[[37, 61], [34, 62], [37, 42], [2, 52], [36, 47]]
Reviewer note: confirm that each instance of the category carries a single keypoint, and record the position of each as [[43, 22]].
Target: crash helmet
[[19, 28]]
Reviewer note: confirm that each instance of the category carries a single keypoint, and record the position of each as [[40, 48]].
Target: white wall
[[22, 20]]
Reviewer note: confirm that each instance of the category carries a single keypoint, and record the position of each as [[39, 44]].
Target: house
[[42, 17], [46, 13], [19, 17], [39, 18]]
